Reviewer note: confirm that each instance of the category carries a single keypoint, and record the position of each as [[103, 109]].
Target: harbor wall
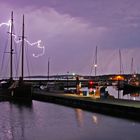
[[99, 106]]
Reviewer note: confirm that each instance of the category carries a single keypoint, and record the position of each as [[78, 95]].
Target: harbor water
[[47, 121]]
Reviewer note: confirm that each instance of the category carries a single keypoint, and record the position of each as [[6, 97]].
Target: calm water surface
[[46, 121]]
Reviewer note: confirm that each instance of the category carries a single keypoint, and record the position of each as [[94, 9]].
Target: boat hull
[[130, 89], [20, 93], [23, 92]]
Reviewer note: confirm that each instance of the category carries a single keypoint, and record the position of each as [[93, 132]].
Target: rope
[[16, 60], [3, 57], [27, 59]]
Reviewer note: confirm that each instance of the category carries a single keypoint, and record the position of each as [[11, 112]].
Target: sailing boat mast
[[95, 64], [48, 68], [120, 59], [132, 70], [22, 57], [11, 48]]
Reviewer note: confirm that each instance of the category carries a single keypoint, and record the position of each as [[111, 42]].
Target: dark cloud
[[71, 29]]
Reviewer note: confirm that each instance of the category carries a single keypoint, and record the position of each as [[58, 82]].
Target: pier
[[115, 107]]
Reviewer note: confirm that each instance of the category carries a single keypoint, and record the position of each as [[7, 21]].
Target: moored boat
[[16, 90], [133, 85]]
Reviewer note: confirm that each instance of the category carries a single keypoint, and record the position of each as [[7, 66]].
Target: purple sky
[[70, 30]]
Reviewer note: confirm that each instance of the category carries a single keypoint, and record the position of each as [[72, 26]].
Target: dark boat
[[130, 88], [133, 86], [17, 90]]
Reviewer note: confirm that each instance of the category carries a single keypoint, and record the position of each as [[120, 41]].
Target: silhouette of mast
[[48, 69], [95, 64], [132, 66], [22, 57], [11, 47], [120, 59]]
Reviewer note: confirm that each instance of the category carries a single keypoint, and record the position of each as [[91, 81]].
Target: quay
[[115, 107]]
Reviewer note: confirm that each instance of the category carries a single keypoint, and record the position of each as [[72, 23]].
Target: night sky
[[70, 30]]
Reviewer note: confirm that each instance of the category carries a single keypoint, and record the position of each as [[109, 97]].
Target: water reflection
[[46, 121], [81, 118], [95, 119], [14, 124]]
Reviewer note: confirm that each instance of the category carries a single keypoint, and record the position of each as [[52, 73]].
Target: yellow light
[[119, 77]]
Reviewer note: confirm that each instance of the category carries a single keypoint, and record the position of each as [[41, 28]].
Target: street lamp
[[119, 78]]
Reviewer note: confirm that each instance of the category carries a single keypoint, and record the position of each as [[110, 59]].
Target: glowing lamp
[[91, 82], [95, 65], [120, 77]]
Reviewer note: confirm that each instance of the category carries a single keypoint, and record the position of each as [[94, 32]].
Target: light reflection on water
[[46, 121]]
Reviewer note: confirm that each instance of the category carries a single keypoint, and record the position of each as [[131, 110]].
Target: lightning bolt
[[37, 43], [7, 23]]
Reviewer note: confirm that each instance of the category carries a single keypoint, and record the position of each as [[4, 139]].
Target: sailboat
[[21, 90], [119, 78], [132, 87], [18, 90]]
